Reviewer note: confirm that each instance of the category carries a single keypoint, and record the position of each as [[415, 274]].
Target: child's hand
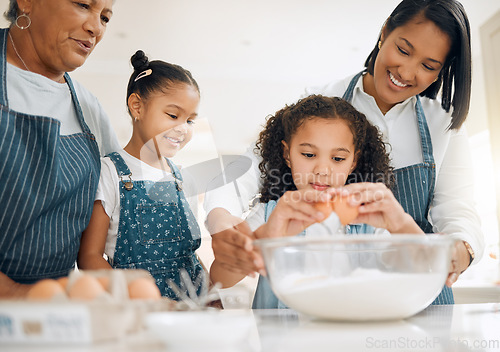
[[378, 207], [294, 212]]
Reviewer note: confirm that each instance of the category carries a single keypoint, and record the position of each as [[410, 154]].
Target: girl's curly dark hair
[[372, 158]]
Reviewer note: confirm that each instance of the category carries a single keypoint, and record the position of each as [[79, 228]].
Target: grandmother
[[53, 132]]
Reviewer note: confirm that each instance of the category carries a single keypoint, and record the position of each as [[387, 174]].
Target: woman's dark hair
[[455, 76], [11, 13], [372, 158], [162, 76]]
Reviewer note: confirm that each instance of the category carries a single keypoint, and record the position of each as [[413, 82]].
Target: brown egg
[[104, 281], [325, 208], [143, 288], [345, 212], [45, 290], [63, 281], [86, 288]]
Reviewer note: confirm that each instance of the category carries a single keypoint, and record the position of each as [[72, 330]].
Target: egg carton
[[111, 316]]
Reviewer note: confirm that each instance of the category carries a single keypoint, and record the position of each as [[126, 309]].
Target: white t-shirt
[[54, 100], [453, 208], [108, 191]]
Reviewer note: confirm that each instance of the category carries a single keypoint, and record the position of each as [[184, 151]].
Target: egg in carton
[[84, 308]]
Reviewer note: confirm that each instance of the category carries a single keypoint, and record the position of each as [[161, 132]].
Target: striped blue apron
[[157, 230], [415, 183], [48, 184]]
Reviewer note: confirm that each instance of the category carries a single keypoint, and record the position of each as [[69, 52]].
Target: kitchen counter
[[460, 327], [485, 293]]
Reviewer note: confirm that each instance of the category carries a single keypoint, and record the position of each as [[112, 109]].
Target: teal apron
[[415, 183], [48, 188], [157, 230]]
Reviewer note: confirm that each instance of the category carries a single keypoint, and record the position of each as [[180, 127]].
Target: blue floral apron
[[48, 188], [157, 230], [415, 183]]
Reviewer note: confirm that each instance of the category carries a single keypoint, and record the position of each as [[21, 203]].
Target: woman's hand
[[293, 213], [11, 289], [378, 207], [232, 243], [460, 259]]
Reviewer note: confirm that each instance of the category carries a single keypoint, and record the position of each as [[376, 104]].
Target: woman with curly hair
[[318, 144]]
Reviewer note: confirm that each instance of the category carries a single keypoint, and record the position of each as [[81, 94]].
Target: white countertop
[[460, 327]]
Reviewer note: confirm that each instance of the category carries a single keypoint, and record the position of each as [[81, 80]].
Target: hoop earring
[[379, 44], [27, 19]]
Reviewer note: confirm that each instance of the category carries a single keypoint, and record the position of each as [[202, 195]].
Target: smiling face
[[320, 154], [64, 32], [164, 121], [409, 60]]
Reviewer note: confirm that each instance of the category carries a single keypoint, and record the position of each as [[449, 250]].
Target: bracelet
[[470, 250]]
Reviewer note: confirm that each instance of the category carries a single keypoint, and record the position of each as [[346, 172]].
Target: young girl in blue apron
[[423, 50], [309, 147], [141, 218]]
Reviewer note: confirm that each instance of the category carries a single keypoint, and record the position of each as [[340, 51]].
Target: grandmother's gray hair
[[11, 13]]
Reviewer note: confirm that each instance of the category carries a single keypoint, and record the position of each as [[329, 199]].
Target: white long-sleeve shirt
[[453, 207]]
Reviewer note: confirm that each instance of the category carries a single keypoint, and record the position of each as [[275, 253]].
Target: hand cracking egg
[[325, 208], [346, 212], [340, 205]]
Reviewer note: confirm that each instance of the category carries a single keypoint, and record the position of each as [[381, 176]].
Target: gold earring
[[379, 44]]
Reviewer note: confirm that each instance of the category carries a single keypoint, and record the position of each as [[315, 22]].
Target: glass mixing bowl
[[358, 277]]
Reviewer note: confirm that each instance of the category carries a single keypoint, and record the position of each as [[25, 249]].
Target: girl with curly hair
[[368, 159], [309, 150]]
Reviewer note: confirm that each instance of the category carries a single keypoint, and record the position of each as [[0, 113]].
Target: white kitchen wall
[[250, 57]]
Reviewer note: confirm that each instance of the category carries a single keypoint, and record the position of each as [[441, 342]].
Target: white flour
[[367, 294]]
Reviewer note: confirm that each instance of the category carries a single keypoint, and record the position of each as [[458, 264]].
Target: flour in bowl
[[366, 294]]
